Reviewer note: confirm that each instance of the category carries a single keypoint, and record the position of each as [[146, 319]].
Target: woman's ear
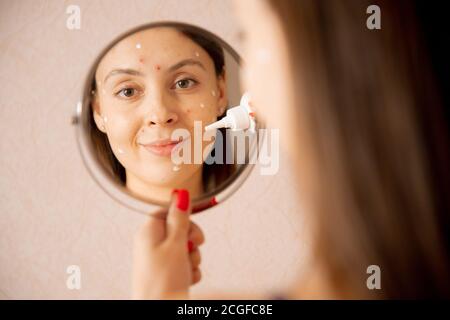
[[99, 120], [222, 96]]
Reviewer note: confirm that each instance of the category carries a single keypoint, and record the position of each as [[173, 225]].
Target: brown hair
[[213, 174], [375, 120]]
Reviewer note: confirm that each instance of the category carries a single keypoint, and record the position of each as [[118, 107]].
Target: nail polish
[[182, 199]]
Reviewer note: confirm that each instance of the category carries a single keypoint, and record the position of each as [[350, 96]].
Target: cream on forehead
[[165, 35]]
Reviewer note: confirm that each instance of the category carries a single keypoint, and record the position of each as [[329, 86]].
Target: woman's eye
[[185, 83], [127, 93]]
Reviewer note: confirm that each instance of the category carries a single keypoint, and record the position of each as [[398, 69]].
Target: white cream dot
[[138, 46], [120, 150], [105, 119], [176, 168]]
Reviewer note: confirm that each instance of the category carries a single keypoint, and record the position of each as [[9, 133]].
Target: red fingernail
[[213, 201], [182, 199], [190, 246]]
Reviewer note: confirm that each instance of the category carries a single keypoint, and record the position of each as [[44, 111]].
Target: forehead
[[162, 45]]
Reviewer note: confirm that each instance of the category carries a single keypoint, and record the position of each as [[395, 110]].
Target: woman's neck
[[148, 191]]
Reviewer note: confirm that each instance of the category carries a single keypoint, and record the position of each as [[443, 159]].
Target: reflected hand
[[166, 256]]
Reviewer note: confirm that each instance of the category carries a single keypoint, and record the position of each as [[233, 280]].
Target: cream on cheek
[[205, 111], [191, 117]]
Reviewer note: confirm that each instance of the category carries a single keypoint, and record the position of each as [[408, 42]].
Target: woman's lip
[[162, 147], [165, 150]]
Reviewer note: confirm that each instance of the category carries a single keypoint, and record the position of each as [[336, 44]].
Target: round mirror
[[140, 123]]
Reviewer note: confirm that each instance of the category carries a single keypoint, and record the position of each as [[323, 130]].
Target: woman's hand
[[166, 255]]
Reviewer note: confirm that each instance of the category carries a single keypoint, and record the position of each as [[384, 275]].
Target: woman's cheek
[[204, 107], [120, 134], [203, 115]]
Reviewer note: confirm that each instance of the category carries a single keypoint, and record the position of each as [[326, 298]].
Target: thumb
[[178, 221]]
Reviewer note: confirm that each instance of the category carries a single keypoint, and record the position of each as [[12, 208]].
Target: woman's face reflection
[[148, 85]]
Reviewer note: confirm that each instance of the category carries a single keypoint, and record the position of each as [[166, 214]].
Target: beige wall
[[54, 215]]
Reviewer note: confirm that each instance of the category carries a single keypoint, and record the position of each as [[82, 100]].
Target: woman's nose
[[161, 116]]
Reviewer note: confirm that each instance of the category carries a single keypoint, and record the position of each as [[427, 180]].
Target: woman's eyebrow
[[176, 66], [186, 62], [123, 71]]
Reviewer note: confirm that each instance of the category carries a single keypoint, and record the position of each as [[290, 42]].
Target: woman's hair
[[375, 117], [213, 174]]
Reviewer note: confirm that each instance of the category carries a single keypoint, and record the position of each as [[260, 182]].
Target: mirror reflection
[[152, 95]]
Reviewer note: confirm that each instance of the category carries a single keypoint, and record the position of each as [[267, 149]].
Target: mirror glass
[[141, 120]]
